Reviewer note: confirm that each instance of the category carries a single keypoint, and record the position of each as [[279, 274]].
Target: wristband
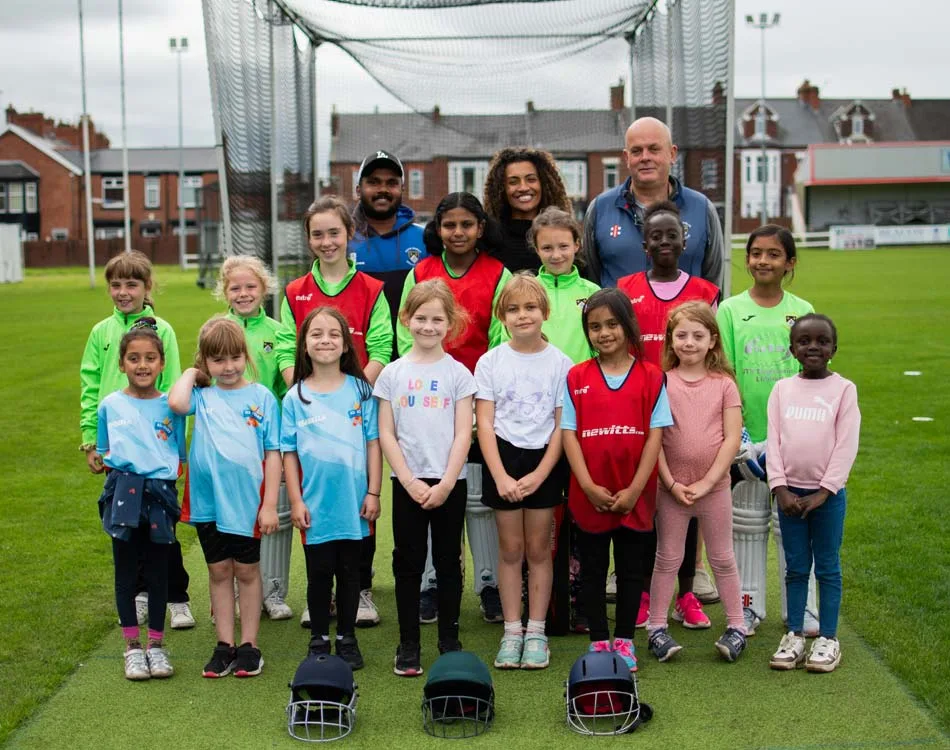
[[374, 494], [87, 447]]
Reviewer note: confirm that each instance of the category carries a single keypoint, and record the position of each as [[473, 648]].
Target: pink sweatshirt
[[813, 433]]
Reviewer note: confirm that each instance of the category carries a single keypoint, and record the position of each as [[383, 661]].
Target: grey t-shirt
[[423, 399]]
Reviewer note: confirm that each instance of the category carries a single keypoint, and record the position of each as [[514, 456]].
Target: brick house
[[42, 186]]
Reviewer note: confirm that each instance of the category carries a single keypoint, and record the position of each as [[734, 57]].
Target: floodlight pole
[[87, 176], [763, 24], [729, 197], [126, 209], [178, 47]]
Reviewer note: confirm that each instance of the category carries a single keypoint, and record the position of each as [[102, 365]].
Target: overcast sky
[[847, 49]]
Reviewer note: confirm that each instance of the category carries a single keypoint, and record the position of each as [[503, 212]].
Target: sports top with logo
[[329, 436], [476, 291], [611, 424], [261, 333], [99, 372], [614, 226], [233, 429], [140, 435], [652, 313], [755, 340], [358, 296], [567, 294]]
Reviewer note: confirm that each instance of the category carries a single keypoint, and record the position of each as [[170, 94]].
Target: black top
[[514, 251]]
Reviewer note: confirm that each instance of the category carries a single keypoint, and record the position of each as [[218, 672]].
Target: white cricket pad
[[811, 604], [750, 536], [481, 531], [275, 549]]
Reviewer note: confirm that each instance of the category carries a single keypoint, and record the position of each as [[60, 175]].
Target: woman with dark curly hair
[[521, 183]]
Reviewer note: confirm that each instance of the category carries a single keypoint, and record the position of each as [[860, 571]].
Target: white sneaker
[[790, 654], [136, 665], [703, 587], [305, 618], [141, 607], [158, 665], [811, 628], [181, 617], [611, 590], [367, 615], [276, 607], [824, 656]]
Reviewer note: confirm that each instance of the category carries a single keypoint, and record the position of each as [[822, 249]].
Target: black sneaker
[[222, 661], [662, 645], [408, 662], [449, 644], [249, 661], [428, 607], [491, 605], [319, 646], [731, 644], [348, 649]]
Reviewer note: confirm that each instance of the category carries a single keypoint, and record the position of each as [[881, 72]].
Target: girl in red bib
[[654, 293], [615, 407]]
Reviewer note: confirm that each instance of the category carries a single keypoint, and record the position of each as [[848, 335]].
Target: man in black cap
[[387, 245]]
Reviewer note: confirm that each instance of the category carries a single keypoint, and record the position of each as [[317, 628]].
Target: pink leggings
[[714, 512]]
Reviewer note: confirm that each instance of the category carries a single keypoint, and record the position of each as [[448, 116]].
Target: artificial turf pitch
[[58, 619]]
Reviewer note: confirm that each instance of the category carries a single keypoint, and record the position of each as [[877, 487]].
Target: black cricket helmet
[[323, 697]]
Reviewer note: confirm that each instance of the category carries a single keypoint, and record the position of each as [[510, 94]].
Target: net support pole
[[633, 91], [225, 239], [730, 151], [315, 124], [275, 251], [669, 67]]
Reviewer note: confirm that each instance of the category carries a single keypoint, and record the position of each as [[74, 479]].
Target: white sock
[[514, 628], [535, 627]]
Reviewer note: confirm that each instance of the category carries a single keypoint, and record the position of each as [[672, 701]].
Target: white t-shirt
[[423, 399], [526, 389]]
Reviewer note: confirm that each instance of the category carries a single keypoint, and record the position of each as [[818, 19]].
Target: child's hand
[[201, 378], [681, 494], [437, 497], [810, 502], [300, 516], [787, 502], [599, 497], [698, 490], [268, 521], [370, 509], [529, 483], [418, 490], [94, 462], [509, 490], [624, 501]]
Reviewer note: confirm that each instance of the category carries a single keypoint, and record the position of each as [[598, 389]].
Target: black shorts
[[518, 462], [219, 546]]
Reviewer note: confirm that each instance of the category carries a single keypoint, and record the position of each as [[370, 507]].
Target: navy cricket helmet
[[323, 697], [602, 697]]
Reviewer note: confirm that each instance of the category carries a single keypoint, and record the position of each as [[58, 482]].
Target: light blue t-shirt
[[660, 417], [329, 436], [233, 429], [140, 435]]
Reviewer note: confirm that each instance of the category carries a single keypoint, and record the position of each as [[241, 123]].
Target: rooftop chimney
[[616, 97], [718, 94], [808, 95], [436, 114], [529, 106], [901, 96]]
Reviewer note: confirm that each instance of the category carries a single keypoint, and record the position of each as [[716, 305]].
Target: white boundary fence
[[806, 239]]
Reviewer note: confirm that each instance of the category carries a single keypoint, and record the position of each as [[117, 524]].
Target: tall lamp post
[[763, 23], [179, 46]]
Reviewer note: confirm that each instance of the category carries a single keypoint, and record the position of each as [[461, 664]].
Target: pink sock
[[130, 634], [156, 635]]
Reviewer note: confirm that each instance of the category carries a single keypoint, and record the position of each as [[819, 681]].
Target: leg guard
[[482, 532], [275, 551], [750, 535], [429, 581], [811, 607]]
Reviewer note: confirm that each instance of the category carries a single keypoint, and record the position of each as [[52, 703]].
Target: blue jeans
[[815, 538]]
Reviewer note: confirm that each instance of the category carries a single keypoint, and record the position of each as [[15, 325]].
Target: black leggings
[[339, 559], [410, 543], [631, 549], [177, 575], [154, 559], [367, 553]]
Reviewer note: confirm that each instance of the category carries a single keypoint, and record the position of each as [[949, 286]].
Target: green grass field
[[60, 649]]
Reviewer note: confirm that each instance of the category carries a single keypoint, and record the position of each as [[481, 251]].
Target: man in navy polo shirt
[[613, 228]]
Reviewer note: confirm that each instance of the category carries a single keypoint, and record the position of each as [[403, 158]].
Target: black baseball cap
[[380, 159]]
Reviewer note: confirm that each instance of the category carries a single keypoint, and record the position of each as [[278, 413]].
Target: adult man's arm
[[714, 256], [592, 268]]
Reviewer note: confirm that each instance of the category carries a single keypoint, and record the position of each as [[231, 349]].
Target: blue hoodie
[[390, 257]]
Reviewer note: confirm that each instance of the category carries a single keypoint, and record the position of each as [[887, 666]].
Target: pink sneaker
[[689, 611], [643, 616], [598, 646], [624, 648]]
